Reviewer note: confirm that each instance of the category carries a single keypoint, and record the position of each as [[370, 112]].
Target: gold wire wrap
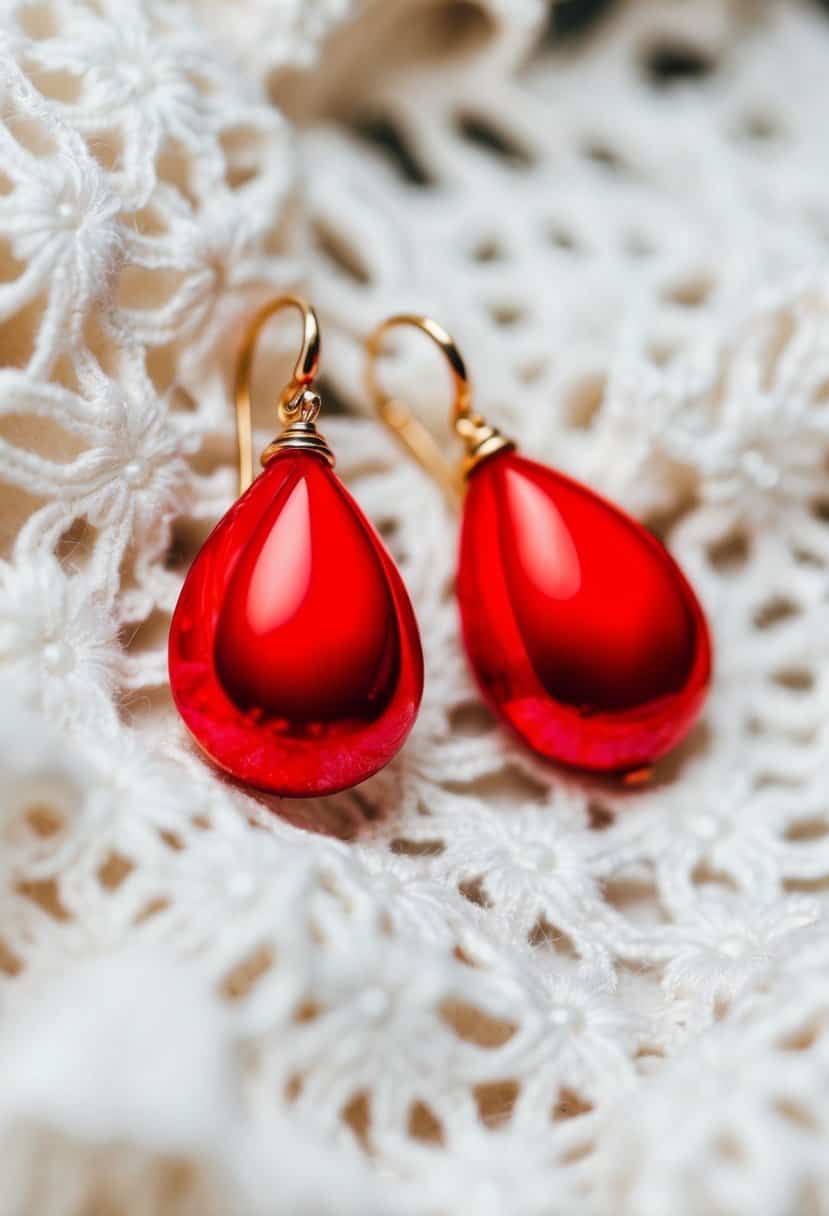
[[480, 439], [298, 406]]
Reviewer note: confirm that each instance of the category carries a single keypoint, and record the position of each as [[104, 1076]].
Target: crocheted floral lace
[[487, 986]]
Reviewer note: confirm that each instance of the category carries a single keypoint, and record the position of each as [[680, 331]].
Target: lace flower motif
[[759, 437], [57, 641], [723, 946], [61, 224], [732, 837], [580, 1036], [131, 79], [372, 1021], [529, 861]]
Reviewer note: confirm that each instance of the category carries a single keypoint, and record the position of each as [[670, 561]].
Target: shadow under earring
[[294, 655], [580, 628]]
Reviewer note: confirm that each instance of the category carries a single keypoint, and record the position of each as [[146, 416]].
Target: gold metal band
[[298, 435]]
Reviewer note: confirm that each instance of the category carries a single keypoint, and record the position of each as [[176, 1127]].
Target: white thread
[[502, 988]]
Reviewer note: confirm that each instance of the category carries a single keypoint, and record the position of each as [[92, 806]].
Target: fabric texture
[[481, 985]]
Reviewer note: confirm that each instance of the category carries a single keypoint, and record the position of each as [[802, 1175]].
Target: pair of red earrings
[[294, 656]]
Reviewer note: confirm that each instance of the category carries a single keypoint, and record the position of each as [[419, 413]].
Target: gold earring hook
[[480, 439], [296, 401]]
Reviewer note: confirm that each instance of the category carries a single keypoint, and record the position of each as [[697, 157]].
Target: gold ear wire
[[297, 404], [480, 439]]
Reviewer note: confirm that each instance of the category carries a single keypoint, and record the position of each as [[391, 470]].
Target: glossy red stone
[[294, 655], [581, 629]]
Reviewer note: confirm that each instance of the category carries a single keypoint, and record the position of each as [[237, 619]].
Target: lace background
[[490, 987]]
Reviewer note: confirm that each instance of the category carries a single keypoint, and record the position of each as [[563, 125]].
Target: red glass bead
[[580, 627], [294, 655]]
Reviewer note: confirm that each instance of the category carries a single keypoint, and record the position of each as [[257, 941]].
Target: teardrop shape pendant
[[581, 629], [294, 655]]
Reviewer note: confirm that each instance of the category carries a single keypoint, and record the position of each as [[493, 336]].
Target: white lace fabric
[[486, 985]]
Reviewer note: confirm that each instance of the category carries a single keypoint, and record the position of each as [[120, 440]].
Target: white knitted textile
[[492, 988]]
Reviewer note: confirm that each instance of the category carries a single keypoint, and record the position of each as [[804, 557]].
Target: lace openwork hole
[[343, 256], [571, 19], [356, 1115], [670, 63], [60, 85], [424, 1125], [44, 819], [691, 292], [474, 1026], [38, 21], [388, 138], [805, 830], [570, 1105], [496, 1101], [114, 870], [775, 611], [240, 981], [731, 553], [482, 133], [546, 936], [583, 401]]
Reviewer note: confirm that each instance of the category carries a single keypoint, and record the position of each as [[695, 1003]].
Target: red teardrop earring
[[582, 631], [294, 656]]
